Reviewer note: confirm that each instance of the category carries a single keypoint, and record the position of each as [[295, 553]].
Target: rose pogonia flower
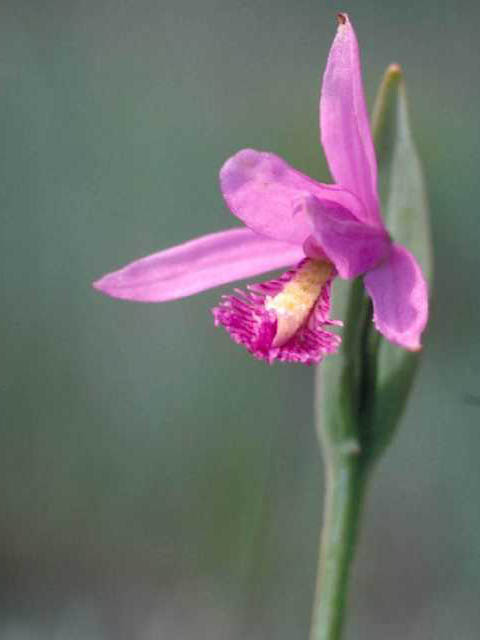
[[325, 230]]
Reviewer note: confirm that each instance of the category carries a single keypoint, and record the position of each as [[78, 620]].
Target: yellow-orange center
[[294, 303]]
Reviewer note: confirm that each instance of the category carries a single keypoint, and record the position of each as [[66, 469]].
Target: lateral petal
[[352, 246], [400, 298], [199, 264], [267, 194]]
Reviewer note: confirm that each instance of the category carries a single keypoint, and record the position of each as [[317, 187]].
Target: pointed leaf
[[403, 195], [401, 182]]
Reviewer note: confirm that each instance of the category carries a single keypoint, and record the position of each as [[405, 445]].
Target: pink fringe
[[250, 324]]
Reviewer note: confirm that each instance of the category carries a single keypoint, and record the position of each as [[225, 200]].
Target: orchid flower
[[320, 231]]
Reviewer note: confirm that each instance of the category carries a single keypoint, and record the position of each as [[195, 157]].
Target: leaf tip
[[394, 70]]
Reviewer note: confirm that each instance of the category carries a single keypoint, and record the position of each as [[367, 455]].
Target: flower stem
[[346, 475]]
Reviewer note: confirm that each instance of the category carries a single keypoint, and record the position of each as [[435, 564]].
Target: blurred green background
[[155, 481]]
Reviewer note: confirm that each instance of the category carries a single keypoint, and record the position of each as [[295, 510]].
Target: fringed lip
[[283, 319]]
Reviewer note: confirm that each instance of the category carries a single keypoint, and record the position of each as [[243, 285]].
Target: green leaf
[[400, 175], [363, 390], [405, 210], [339, 377]]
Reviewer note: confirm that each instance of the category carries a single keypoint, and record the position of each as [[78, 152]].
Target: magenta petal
[[352, 246], [251, 321], [267, 195], [197, 265], [344, 124], [400, 298]]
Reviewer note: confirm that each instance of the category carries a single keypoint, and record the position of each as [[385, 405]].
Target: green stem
[[343, 402], [346, 477]]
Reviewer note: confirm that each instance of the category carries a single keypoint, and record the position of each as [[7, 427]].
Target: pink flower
[[325, 230]]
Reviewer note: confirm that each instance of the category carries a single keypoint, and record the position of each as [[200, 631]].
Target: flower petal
[[344, 124], [266, 194], [283, 319], [400, 298], [352, 246], [197, 265]]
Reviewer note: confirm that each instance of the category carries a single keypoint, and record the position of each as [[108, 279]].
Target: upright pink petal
[[197, 265], [344, 124], [400, 298], [267, 195], [352, 246]]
